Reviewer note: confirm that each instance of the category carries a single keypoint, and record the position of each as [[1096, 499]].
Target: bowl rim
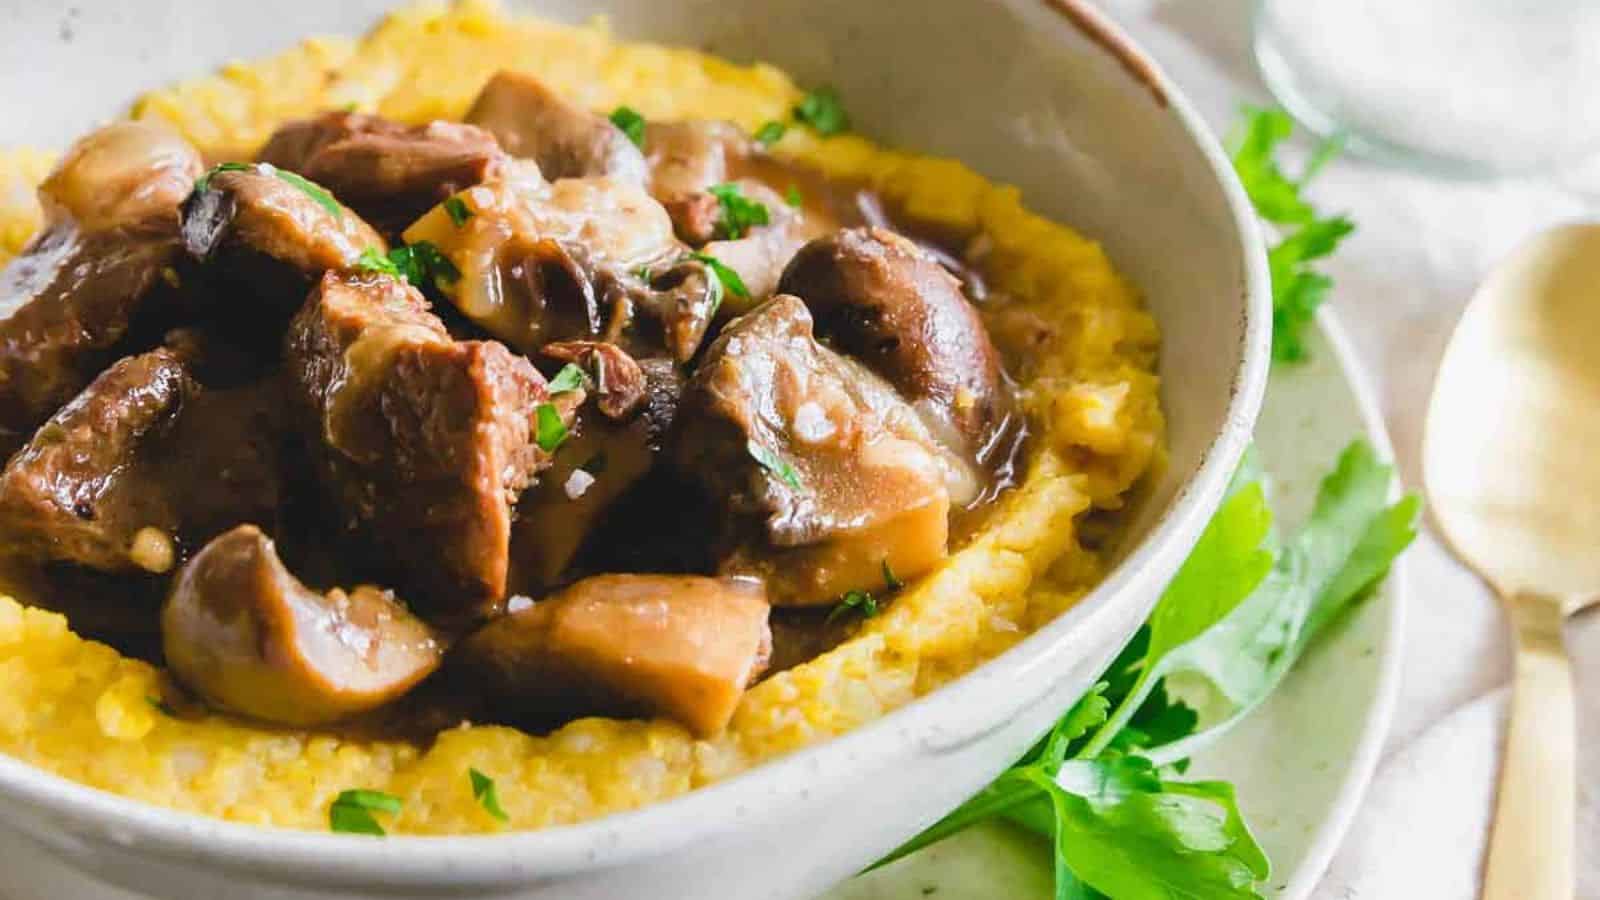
[[505, 860]]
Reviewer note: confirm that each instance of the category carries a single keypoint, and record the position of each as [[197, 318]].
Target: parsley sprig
[[1305, 234], [1241, 610], [773, 463], [724, 280]]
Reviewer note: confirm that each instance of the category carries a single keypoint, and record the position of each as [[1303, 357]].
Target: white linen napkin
[[1421, 247]]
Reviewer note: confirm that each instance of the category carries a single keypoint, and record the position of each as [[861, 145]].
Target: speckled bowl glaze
[[1043, 94]]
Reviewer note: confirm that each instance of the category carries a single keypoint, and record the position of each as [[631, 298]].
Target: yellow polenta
[[1080, 343]]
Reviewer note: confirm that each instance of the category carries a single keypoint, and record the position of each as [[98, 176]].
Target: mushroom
[[240, 630], [880, 298], [680, 646], [100, 270], [533, 122]]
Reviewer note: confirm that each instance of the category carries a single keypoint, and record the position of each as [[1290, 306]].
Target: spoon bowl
[[1511, 460]]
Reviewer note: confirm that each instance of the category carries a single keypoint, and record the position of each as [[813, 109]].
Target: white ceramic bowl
[[1044, 94]]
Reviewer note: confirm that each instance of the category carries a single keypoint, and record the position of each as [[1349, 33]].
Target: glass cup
[[1468, 87]]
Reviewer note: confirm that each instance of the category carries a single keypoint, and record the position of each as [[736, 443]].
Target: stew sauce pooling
[[513, 419]]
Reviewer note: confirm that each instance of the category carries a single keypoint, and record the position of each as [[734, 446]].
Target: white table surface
[[1421, 246]]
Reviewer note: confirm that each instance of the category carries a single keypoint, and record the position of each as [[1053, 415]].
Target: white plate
[[1303, 760]]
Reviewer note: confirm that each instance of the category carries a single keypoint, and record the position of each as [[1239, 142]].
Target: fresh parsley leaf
[[793, 198], [739, 213], [458, 210], [1297, 289], [371, 260], [483, 791], [772, 462], [1346, 545], [632, 124], [822, 110], [890, 580], [727, 277], [549, 431], [854, 601], [204, 181], [352, 811], [770, 132], [1225, 566], [570, 378]]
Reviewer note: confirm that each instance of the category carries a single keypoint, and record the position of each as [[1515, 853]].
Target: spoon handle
[[1531, 845]]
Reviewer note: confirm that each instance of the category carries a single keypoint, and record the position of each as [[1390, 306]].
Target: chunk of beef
[[75, 492], [264, 241], [677, 646], [617, 382], [880, 298], [423, 442], [141, 465], [826, 475], [387, 172], [241, 631], [604, 459], [530, 121], [545, 262], [93, 278]]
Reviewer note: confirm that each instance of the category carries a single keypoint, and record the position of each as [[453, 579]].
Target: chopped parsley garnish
[[772, 462], [458, 210], [373, 261], [770, 132], [306, 186], [890, 580], [632, 124], [1306, 235], [310, 188], [421, 264], [822, 110], [161, 706], [204, 181], [570, 378], [352, 812], [854, 601], [722, 278], [792, 196], [550, 432], [483, 791], [739, 213]]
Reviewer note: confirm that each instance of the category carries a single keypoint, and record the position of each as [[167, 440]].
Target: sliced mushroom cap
[[241, 631], [125, 172], [835, 472], [265, 240], [97, 276], [533, 122], [882, 299], [542, 262], [387, 172], [679, 646]]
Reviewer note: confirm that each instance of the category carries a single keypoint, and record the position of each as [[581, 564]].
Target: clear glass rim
[[1281, 82]]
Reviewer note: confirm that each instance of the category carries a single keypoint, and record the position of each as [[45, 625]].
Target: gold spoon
[[1511, 457]]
